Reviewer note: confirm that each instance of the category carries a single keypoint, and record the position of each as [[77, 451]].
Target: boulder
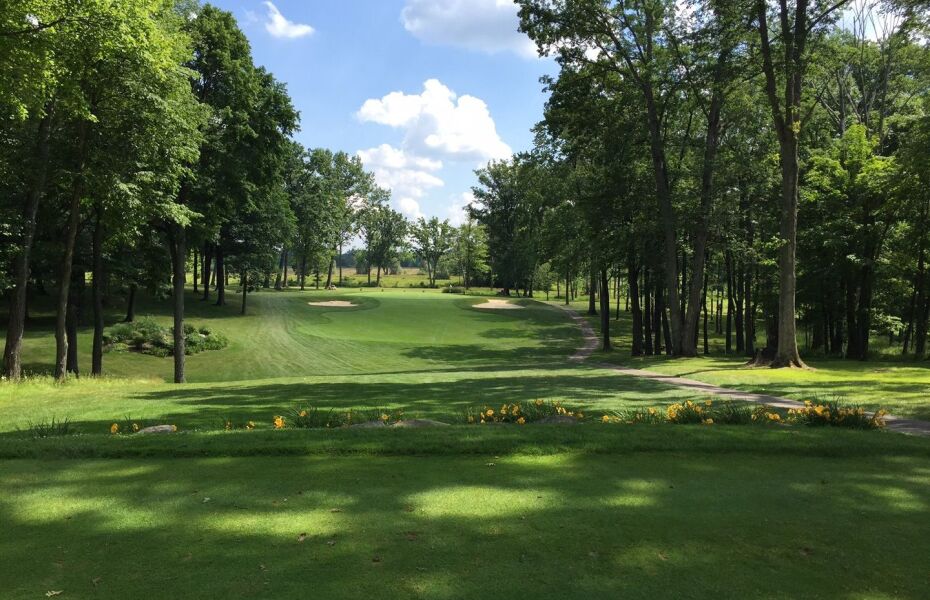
[[420, 423], [558, 420], [160, 429], [369, 424]]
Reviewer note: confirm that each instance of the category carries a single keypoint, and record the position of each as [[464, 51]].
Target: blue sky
[[424, 91]]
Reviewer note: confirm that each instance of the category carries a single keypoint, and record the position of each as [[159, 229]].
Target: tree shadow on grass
[[565, 526], [440, 399]]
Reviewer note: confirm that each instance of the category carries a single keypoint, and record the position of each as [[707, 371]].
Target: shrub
[[687, 413], [148, 337], [834, 414], [519, 414], [317, 418], [453, 289]]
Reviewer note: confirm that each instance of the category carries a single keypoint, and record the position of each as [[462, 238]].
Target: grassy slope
[[903, 387], [427, 352]]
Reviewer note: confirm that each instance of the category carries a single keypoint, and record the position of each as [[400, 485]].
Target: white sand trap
[[333, 304], [499, 305]]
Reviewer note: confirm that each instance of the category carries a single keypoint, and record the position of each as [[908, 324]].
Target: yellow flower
[[279, 422], [580, 415], [708, 403], [489, 412], [653, 412], [708, 421], [135, 427], [384, 417], [303, 413], [250, 425], [605, 419], [773, 416], [174, 428], [521, 421], [228, 425], [114, 428], [538, 402]]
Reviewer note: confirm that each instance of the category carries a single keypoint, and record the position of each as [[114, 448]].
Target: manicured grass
[[715, 520], [591, 511], [902, 387], [430, 353]]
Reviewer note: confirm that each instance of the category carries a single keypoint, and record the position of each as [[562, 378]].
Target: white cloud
[[278, 25], [457, 212], [439, 123], [489, 26], [409, 177]]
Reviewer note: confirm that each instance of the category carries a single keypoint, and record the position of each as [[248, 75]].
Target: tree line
[[141, 144], [762, 164]]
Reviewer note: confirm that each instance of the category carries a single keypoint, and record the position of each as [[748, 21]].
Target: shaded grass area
[[592, 438], [900, 386], [445, 395], [684, 523]]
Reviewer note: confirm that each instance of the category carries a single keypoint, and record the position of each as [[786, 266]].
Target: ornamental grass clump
[[834, 414], [317, 418], [520, 414]]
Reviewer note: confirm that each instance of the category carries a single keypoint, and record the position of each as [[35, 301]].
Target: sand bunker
[[499, 305], [333, 304]]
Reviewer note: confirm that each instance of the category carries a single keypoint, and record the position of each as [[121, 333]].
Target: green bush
[[520, 414], [148, 337], [453, 289]]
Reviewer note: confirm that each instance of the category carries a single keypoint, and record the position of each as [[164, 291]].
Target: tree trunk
[[74, 221], [605, 311], [286, 261], [277, 279], [131, 304], [244, 279], [220, 276], [666, 211], [207, 266], [647, 317], [303, 271], [195, 261], [329, 274], [179, 276], [592, 292], [96, 368], [731, 306], [636, 310], [72, 320], [706, 339], [12, 351]]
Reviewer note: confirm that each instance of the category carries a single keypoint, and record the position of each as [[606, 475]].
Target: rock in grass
[[160, 429], [370, 424], [420, 423], [558, 420]]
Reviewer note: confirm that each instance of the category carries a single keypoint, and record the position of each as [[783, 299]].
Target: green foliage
[[53, 427], [147, 336]]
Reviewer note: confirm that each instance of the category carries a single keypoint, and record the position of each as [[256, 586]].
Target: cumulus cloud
[[280, 27], [439, 123], [489, 26], [457, 212], [409, 177]]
